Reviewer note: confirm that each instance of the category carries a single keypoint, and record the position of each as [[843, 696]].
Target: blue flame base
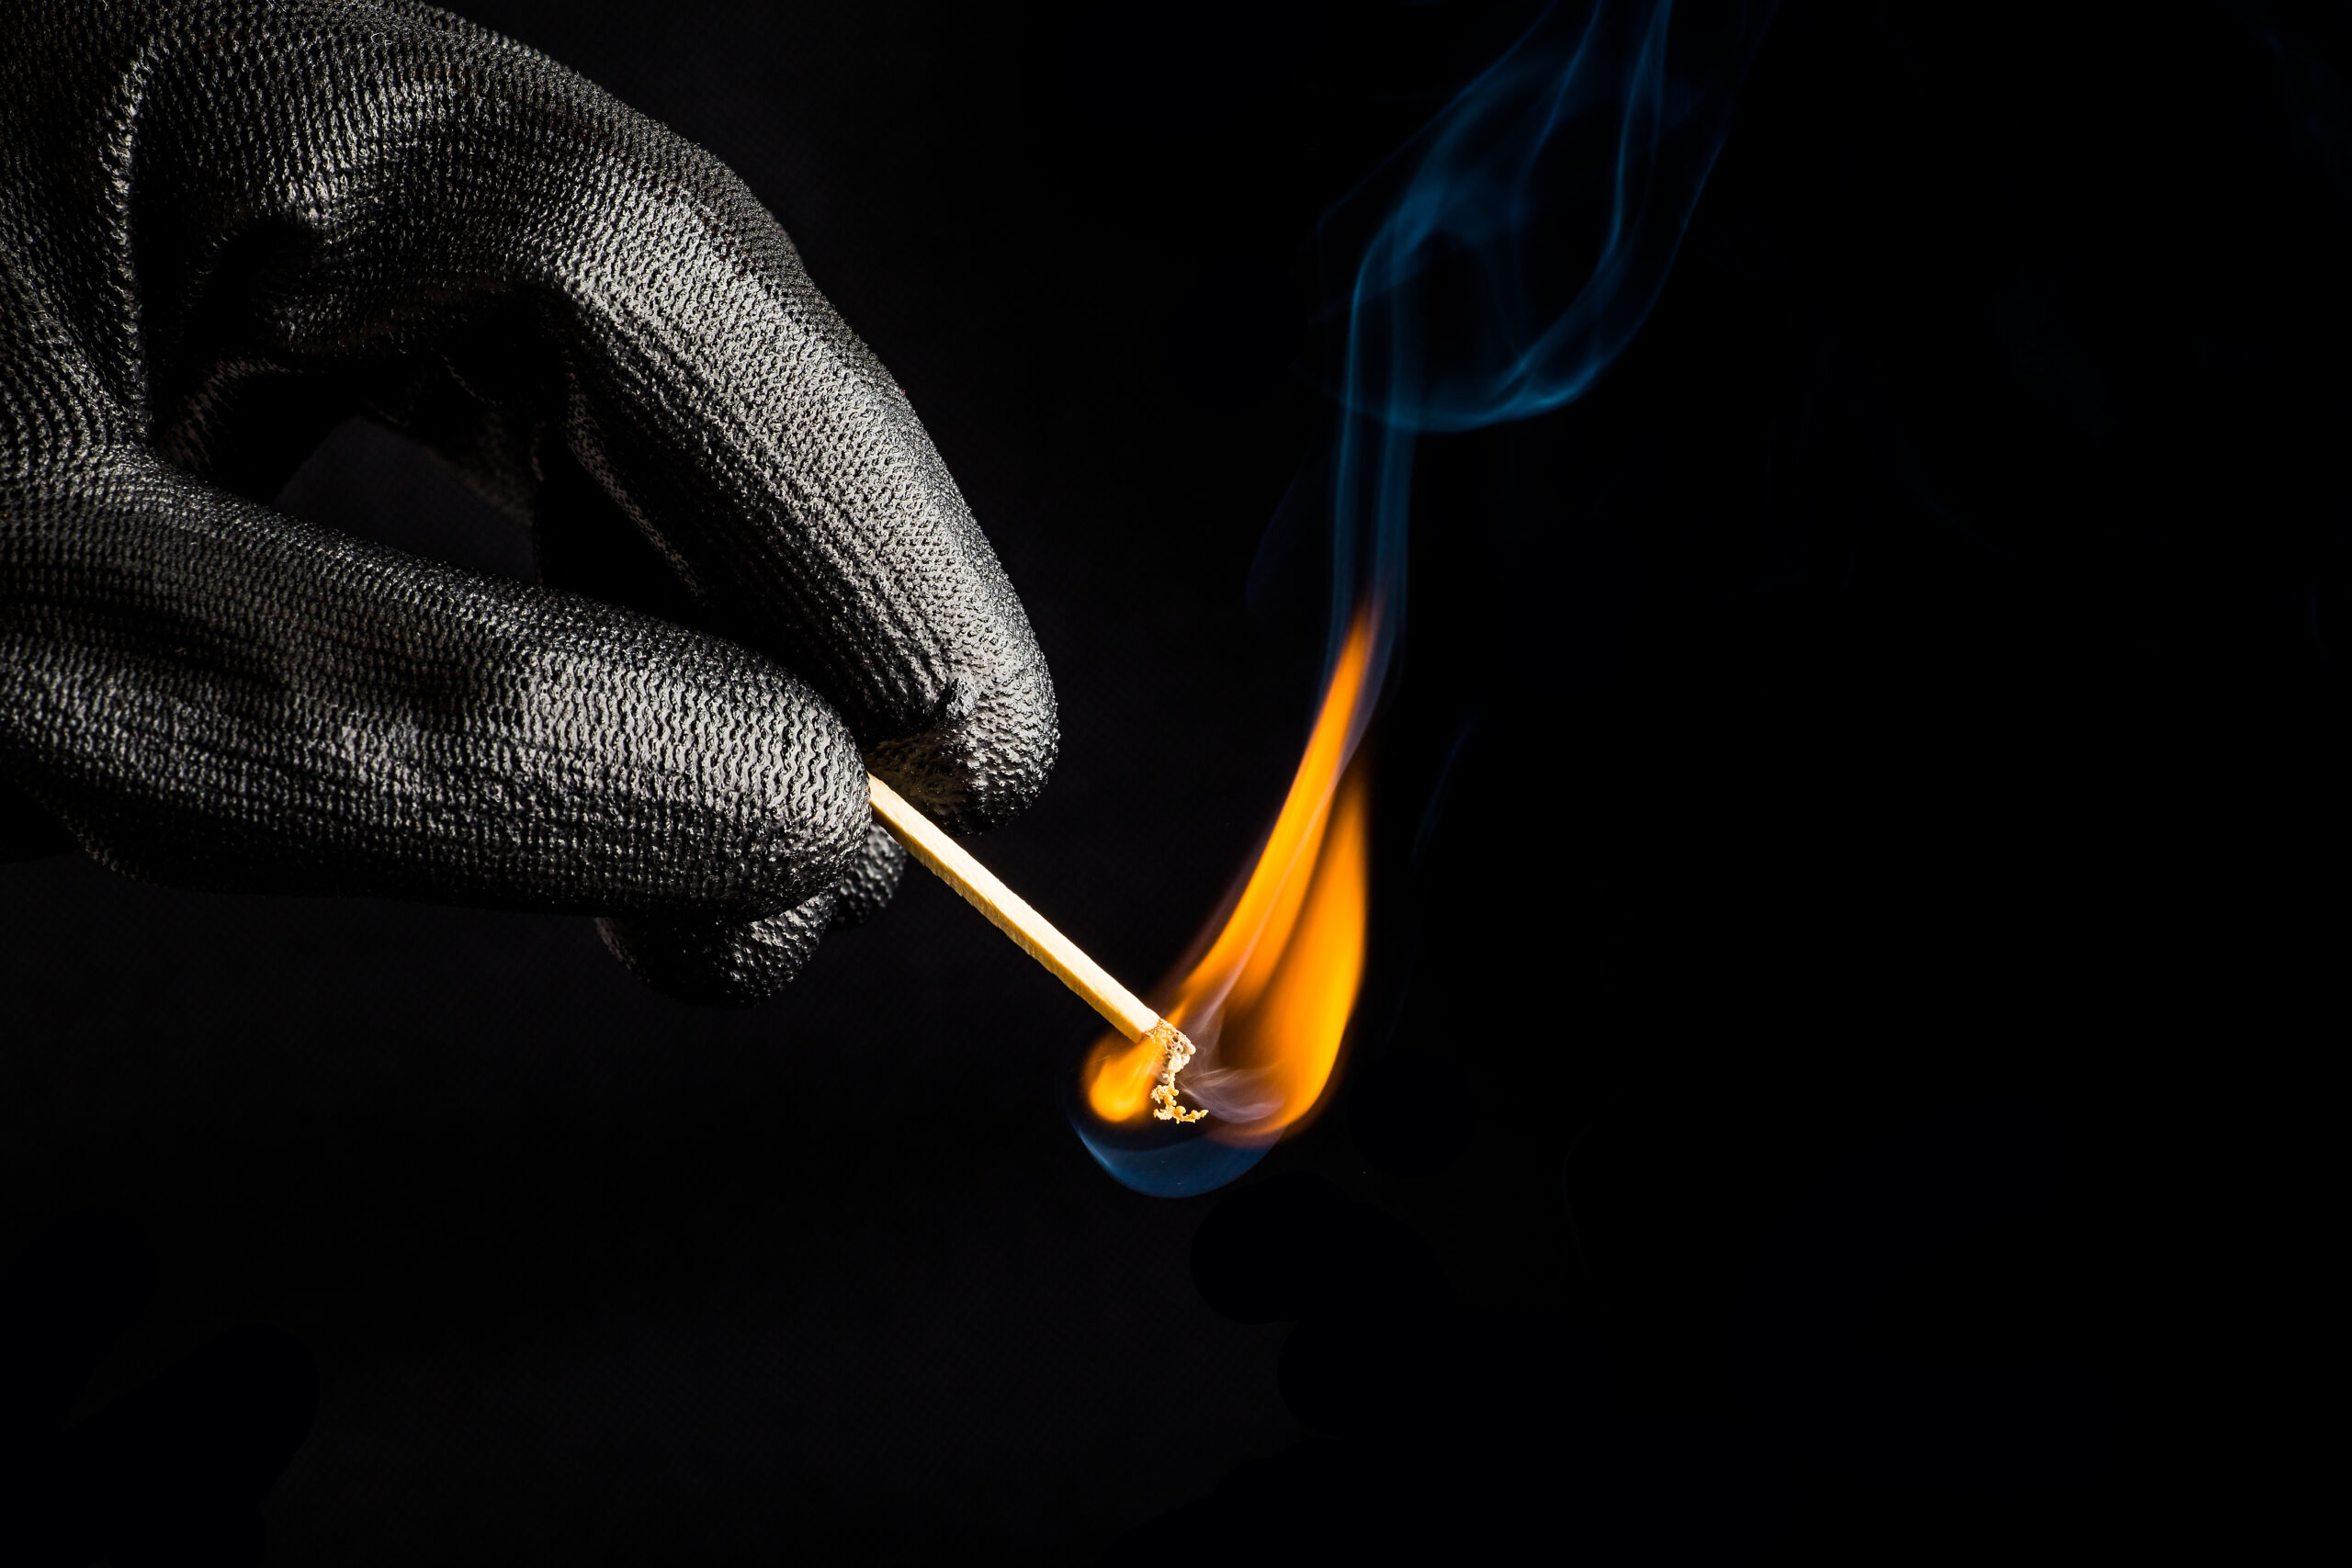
[[1158, 1159], [1182, 1166]]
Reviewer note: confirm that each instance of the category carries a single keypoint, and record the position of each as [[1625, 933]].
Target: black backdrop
[[1859, 857]]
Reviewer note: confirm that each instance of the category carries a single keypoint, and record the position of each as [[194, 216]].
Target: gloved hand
[[228, 225]]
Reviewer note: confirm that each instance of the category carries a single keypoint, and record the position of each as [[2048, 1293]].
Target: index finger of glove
[[209, 693], [499, 255]]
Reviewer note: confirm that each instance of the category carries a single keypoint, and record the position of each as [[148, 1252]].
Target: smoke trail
[[1515, 246]]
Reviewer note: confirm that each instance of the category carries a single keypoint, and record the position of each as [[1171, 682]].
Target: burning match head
[[1157, 1145], [1175, 1052]]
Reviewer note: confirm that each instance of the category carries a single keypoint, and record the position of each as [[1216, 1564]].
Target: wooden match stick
[[1011, 915]]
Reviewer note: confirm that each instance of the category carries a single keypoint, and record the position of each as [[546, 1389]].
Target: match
[[1010, 914]]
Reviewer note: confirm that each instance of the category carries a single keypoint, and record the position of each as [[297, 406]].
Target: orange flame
[[1268, 999]]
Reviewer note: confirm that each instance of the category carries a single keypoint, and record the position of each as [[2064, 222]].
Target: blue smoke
[[1515, 246]]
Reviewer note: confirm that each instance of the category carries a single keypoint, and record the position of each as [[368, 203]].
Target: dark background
[[1860, 859]]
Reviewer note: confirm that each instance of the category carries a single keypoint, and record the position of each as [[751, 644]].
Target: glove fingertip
[[985, 762], [869, 880], [719, 962]]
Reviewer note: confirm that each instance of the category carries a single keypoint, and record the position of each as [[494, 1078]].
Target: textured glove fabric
[[228, 225]]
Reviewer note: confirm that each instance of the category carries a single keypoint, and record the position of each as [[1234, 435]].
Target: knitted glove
[[228, 225]]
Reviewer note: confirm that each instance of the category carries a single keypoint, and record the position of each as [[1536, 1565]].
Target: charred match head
[[1175, 1051]]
